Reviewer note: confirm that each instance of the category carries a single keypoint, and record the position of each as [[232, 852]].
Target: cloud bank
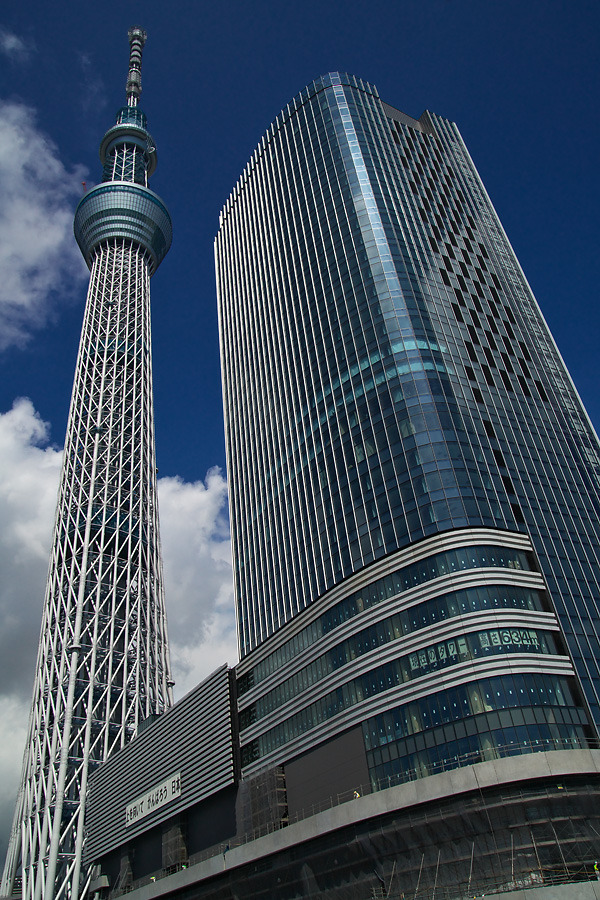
[[197, 569]]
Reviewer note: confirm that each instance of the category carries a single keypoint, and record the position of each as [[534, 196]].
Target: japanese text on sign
[[157, 796]]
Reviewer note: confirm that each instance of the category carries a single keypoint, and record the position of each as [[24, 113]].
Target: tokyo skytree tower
[[103, 661]]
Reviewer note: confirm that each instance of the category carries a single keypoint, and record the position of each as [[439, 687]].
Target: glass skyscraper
[[414, 482], [414, 496]]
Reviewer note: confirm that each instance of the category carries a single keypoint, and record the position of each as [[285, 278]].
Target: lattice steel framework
[[103, 663]]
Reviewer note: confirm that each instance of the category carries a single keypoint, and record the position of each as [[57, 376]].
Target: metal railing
[[583, 871]]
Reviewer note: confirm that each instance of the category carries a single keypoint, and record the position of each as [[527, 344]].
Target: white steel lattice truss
[[103, 661]]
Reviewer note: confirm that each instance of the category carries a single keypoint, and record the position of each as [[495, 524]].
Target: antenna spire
[[137, 39]]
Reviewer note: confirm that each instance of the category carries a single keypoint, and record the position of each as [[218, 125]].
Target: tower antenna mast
[[137, 39]]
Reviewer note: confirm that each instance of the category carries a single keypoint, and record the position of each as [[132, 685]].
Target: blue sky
[[520, 77]]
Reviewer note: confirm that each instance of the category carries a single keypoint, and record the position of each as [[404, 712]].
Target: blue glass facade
[[391, 387]]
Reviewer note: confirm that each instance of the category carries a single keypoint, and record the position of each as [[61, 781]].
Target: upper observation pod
[[129, 134], [121, 209], [123, 206]]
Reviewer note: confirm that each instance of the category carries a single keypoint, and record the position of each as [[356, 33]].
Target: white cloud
[[29, 472], [40, 263], [15, 48], [13, 714], [93, 89], [197, 565], [198, 576], [28, 486]]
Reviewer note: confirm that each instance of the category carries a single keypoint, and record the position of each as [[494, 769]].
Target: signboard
[[153, 799]]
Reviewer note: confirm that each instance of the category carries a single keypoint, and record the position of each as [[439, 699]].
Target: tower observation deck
[[103, 661]]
